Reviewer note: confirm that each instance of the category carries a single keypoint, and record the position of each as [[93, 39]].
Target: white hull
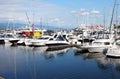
[[97, 49], [7, 42], [27, 42], [100, 45], [41, 41], [24, 41], [113, 52], [57, 43], [13, 40], [38, 43], [20, 41]]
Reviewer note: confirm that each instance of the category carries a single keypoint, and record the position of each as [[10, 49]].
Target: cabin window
[[51, 39], [60, 38], [9, 36], [46, 38], [118, 42], [55, 36], [97, 43], [107, 43], [1, 36], [64, 36]]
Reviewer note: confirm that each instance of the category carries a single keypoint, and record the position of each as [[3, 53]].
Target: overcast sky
[[57, 12]]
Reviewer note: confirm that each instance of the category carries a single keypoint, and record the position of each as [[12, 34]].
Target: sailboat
[[103, 44], [30, 33], [115, 51]]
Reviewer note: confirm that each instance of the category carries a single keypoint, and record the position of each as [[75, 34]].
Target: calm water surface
[[21, 62]]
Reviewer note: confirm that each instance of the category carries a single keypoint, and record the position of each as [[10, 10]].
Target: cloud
[[17, 8], [11, 10], [85, 13], [73, 12], [49, 12], [95, 12], [82, 10], [57, 22]]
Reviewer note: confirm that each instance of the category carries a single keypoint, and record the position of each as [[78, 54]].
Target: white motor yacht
[[24, 41], [41, 41], [114, 51], [58, 39], [10, 39], [100, 45]]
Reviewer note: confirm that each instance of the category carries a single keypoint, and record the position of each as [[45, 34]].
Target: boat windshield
[[107, 43], [103, 36], [97, 43], [44, 38], [60, 38], [8, 36]]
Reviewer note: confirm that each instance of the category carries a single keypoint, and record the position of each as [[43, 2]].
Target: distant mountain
[[6, 25]]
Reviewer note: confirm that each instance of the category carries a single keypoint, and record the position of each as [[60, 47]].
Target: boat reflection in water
[[53, 53], [103, 62], [22, 62], [41, 49]]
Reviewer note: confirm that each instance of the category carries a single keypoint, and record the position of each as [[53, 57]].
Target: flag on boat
[[32, 27]]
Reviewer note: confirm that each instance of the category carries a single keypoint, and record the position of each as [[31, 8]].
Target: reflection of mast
[[15, 71], [34, 62], [112, 70]]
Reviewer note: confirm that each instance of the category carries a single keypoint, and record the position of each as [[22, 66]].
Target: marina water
[[22, 62]]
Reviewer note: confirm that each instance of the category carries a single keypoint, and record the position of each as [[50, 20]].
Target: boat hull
[[38, 44], [24, 42], [2, 41], [56, 43], [97, 49], [14, 41], [113, 52]]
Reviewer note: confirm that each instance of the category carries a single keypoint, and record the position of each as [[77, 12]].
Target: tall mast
[[33, 16], [117, 12], [104, 19], [28, 18], [33, 10], [110, 29]]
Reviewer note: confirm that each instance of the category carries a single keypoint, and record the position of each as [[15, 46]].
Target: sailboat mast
[[33, 10], [110, 29], [28, 18], [104, 18], [33, 16], [117, 12]]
